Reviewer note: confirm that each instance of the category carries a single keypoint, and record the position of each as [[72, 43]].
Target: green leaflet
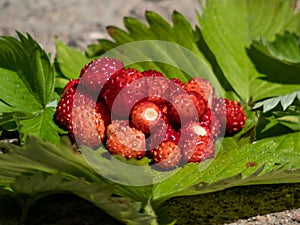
[[268, 161], [172, 50], [70, 60], [27, 94], [229, 27]]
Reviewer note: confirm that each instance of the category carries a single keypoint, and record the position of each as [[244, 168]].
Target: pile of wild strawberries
[[143, 114]]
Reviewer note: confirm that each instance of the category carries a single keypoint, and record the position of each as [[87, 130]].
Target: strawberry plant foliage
[[27, 99], [255, 52]]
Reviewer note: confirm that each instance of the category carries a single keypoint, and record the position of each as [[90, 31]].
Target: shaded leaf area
[[212, 208], [27, 100], [229, 28]]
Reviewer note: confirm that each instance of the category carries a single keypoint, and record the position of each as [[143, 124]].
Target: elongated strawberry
[[88, 122], [235, 116], [146, 116], [197, 144], [84, 121], [125, 140], [166, 156], [95, 74], [185, 107], [64, 108], [123, 90]]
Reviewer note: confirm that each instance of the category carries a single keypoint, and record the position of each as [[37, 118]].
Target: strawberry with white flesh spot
[[125, 140], [211, 121], [197, 144], [95, 74], [145, 116], [167, 155], [235, 116], [123, 90]]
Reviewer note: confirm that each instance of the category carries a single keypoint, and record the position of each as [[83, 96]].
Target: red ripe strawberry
[[95, 74], [157, 87], [211, 121], [166, 156], [145, 116], [64, 108], [163, 134], [85, 123], [202, 87], [88, 122], [123, 90], [125, 140], [235, 116], [197, 144], [186, 106]]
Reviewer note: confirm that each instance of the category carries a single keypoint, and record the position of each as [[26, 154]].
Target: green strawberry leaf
[[229, 27], [284, 48], [172, 50], [267, 161], [69, 60], [27, 88]]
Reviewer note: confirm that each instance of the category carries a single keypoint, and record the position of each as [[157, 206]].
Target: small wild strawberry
[[185, 107], [166, 155], [146, 116], [197, 144], [123, 90], [202, 87], [121, 139], [95, 74], [235, 116]]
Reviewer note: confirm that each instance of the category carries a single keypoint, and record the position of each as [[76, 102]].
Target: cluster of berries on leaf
[[144, 114]]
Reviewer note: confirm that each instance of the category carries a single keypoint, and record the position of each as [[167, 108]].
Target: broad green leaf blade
[[41, 125], [269, 17], [44, 156], [70, 60], [228, 27], [15, 94], [267, 161], [31, 63]]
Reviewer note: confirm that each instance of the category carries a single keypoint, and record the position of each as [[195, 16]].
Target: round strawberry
[[166, 156], [235, 116], [185, 107], [202, 87], [123, 90], [197, 144], [163, 134], [157, 87], [95, 74], [145, 116], [125, 140]]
